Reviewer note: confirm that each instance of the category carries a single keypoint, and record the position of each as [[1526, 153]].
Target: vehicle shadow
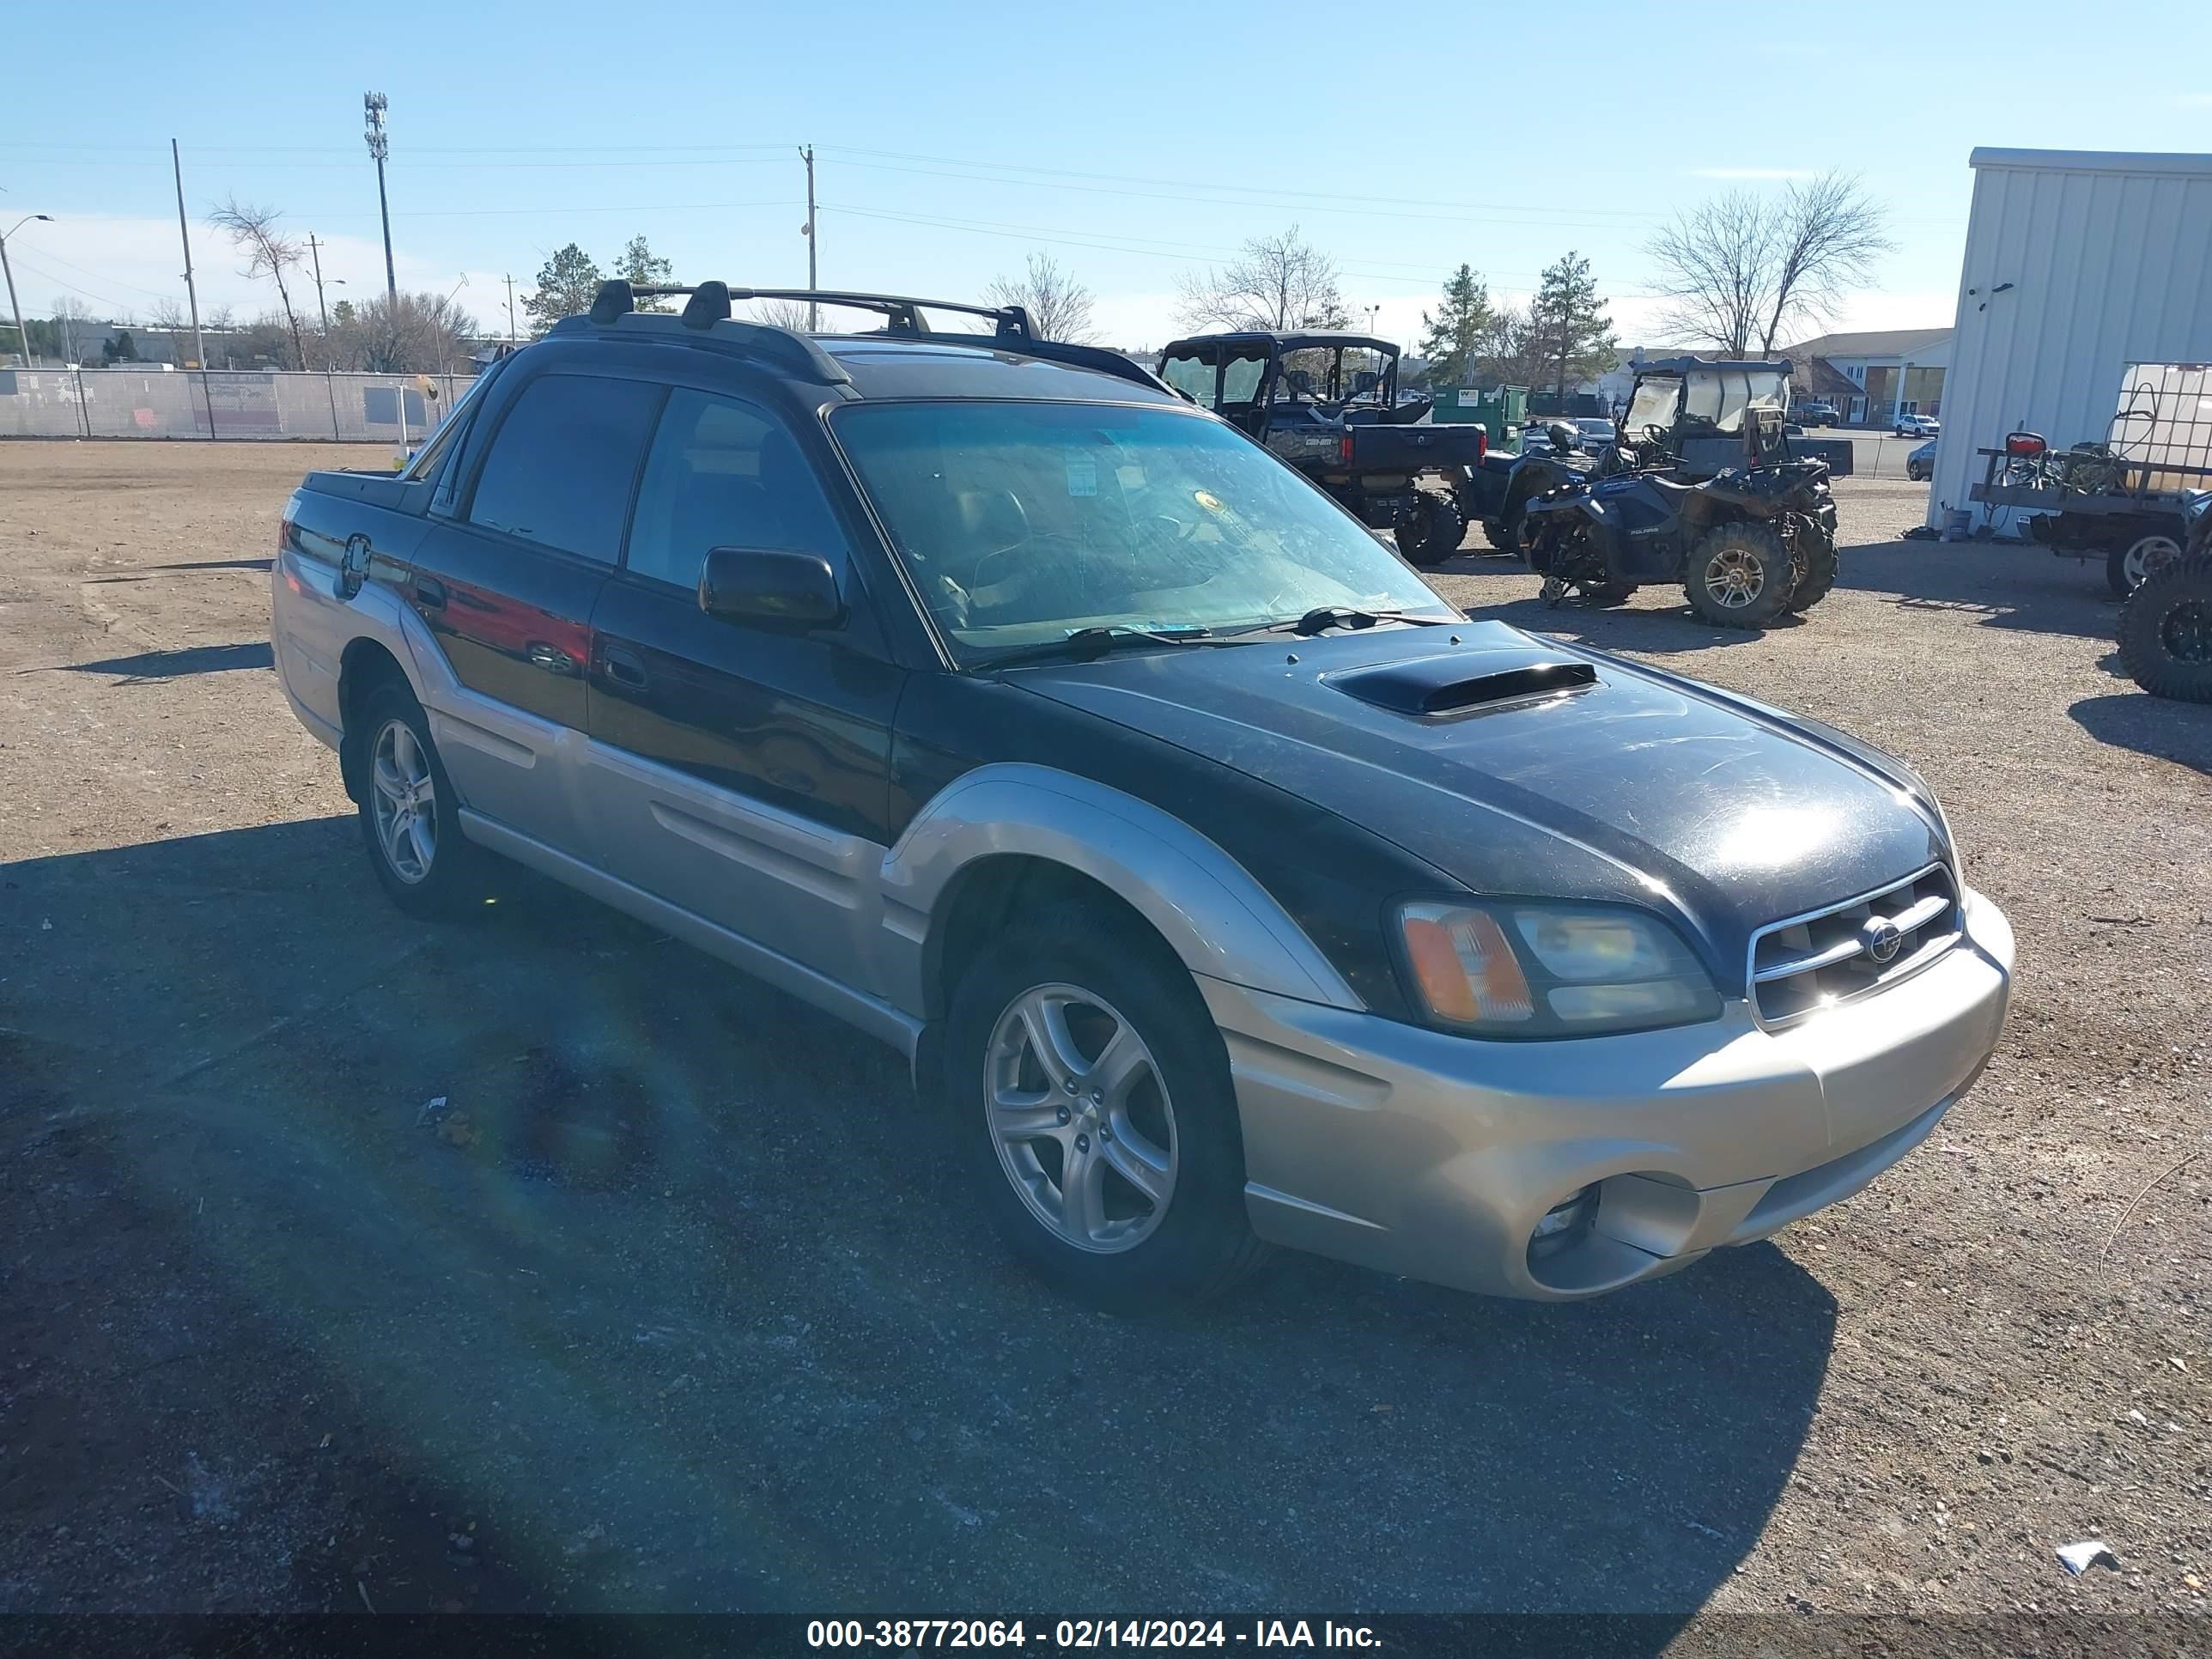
[[1492, 590], [2178, 731], [671, 1284], [178, 664], [2010, 585]]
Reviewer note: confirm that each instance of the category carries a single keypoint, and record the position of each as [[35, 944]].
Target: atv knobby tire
[[1432, 532], [1740, 575], [2166, 631], [1818, 552]]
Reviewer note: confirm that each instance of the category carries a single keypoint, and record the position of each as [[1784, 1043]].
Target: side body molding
[[1219, 921]]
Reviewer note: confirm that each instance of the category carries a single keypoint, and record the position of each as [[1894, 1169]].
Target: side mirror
[[768, 588]]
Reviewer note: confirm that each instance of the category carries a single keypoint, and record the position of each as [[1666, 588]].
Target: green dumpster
[[1499, 411]]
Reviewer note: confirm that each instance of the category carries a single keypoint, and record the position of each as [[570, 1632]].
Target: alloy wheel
[[2187, 631], [1734, 578], [405, 799], [1080, 1114]]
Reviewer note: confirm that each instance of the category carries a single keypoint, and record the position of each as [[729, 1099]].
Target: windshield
[[1653, 405], [1021, 522], [1721, 396]]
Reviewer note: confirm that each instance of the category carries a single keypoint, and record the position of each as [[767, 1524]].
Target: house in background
[[1892, 371]]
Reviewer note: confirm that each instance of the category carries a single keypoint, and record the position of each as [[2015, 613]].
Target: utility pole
[[330, 361], [510, 311], [373, 104], [184, 235], [21, 338], [315, 248], [813, 312]]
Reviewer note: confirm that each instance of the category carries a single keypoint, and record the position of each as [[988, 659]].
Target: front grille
[[1810, 962]]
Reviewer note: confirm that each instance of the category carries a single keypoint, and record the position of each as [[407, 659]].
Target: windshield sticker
[[1083, 478]]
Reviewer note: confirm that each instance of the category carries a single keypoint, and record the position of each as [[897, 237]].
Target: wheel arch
[[1004, 834], [365, 664]]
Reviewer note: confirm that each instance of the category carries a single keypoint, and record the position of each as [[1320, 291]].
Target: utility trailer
[[2125, 500]]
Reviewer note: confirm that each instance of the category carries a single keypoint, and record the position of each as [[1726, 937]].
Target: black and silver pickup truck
[[1328, 403], [1223, 885]]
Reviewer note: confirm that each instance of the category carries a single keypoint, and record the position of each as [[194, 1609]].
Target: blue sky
[[1132, 142]]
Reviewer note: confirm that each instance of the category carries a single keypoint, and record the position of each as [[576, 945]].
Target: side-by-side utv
[[1327, 404]]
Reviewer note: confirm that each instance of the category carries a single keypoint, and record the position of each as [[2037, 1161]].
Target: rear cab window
[[564, 462]]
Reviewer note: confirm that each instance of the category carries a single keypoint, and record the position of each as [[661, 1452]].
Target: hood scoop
[[1462, 680]]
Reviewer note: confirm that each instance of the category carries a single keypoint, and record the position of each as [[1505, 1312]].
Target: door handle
[[429, 592], [624, 667]]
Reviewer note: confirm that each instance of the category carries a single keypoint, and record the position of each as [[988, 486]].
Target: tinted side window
[[722, 474], [563, 462]]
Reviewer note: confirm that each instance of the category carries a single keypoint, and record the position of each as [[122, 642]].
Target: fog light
[[1566, 1216]]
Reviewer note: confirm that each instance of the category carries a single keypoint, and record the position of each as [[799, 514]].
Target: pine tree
[[567, 284], [637, 263], [1571, 336], [1453, 338]]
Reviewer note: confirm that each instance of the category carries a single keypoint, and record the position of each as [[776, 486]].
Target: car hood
[[1636, 787]]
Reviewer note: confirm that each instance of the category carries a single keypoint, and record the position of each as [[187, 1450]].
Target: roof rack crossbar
[[708, 304], [901, 313]]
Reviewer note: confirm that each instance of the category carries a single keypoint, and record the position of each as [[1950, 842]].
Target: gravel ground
[[672, 1304]]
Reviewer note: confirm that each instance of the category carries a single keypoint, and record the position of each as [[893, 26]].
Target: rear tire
[[2126, 569], [1433, 532], [1821, 563], [1740, 575], [2166, 632], [1504, 535], [1126, 1084], [411, 818]]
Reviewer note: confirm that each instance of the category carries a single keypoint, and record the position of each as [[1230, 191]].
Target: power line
[[1301, 205], [1184, 184]]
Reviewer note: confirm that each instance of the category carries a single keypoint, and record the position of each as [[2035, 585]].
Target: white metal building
[[2078, 263]]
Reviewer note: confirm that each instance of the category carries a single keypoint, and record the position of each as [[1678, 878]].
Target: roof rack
[[707, 304]]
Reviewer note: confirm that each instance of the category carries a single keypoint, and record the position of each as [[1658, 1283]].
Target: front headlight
[[1538, 970]]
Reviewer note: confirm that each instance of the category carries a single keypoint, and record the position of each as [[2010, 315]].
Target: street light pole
[[373, 104], [22, 338]]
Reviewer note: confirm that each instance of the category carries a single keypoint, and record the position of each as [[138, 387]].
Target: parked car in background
[[1597, 433], [1815, 413], [1920, 464], [1918, 425], [1219, 880]]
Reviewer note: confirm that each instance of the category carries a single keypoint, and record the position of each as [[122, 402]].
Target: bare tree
[[1059, 306], [269, 253], [781, 313], [415, 334], [169, 316], [1742, 268], [1281, 282], [75, 331]]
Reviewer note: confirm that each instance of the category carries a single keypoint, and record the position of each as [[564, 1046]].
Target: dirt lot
[[674, 1304]]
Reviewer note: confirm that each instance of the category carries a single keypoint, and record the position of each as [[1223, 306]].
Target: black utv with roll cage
[[1326, 403]]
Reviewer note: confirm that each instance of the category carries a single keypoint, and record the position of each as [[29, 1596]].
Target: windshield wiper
[[1088, 644], [1344, 616]]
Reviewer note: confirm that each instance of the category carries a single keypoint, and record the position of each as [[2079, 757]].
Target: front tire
[[1432, 532], [1740, 575], [1503, 534], [1091, 1097], [2166, 632], [411, 817]]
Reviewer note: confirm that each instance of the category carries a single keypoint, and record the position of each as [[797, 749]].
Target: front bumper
[[1418, 1153]]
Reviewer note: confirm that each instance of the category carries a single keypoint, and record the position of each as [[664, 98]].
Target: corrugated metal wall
[[2110, 260]]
